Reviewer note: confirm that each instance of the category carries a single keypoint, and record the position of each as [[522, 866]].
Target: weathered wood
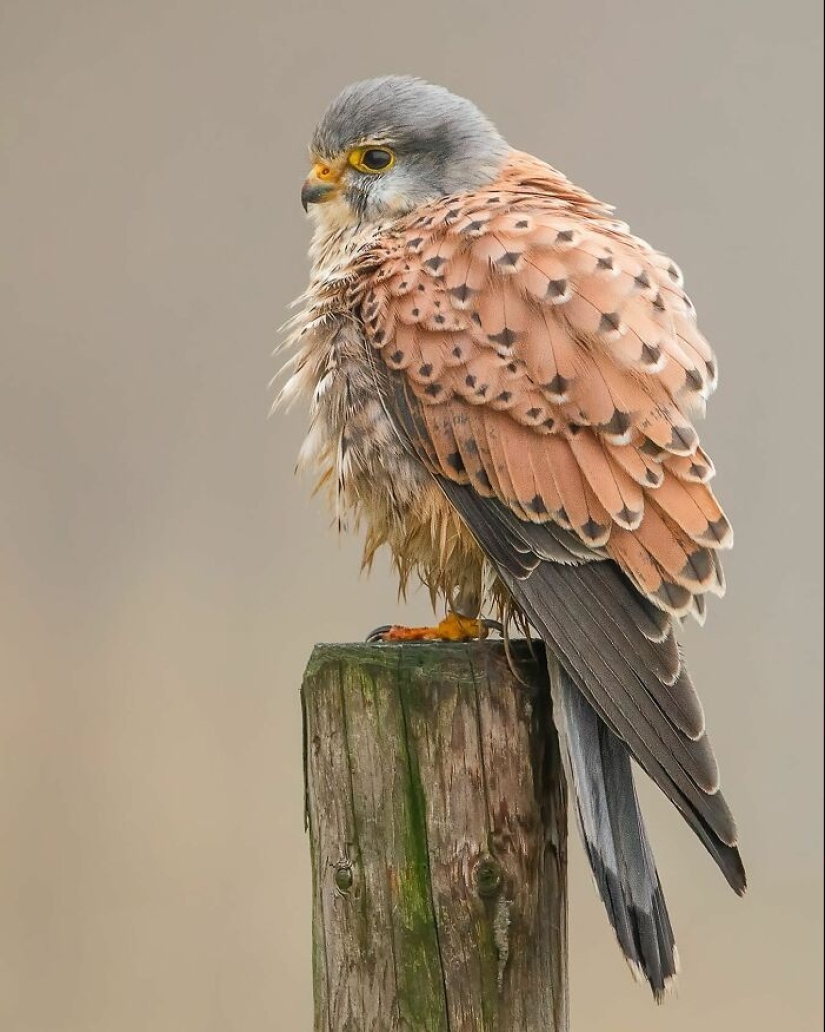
[[436, 813]]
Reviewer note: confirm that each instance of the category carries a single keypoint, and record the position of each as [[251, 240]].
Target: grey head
[[386, 145]]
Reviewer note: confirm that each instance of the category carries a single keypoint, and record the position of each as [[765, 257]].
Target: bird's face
[[387, 145]]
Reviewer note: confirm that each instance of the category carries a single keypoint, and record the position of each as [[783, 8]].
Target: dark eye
[[372, 159], [377, 159]]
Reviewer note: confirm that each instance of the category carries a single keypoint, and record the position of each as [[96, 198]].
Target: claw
[[378, 634], [492, 625], [453, 627]]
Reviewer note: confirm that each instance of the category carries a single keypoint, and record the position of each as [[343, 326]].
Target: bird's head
[[385, 146]]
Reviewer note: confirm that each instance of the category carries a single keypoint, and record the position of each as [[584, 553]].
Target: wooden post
[[437, 820]]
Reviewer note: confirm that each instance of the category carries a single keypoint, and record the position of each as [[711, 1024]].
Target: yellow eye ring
[[371, 160]]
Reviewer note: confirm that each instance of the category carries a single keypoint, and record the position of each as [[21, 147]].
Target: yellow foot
[[452, 628]]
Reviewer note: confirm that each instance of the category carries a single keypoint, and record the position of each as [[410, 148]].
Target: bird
[[503, 384]]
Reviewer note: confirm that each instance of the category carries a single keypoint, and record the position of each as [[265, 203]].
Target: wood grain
[[437, 819]]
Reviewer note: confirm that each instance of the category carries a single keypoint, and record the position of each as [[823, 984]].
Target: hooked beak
[[320, 185]]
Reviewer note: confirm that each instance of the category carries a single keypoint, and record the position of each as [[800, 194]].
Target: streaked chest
[[352, 444]]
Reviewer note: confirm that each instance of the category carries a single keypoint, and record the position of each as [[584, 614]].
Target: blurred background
[[163, 575]]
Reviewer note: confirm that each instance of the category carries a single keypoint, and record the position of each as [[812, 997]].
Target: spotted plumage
[[504, 383]]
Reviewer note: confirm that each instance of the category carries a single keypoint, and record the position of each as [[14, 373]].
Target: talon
[[493, 625], [378, 634], [453, 627]]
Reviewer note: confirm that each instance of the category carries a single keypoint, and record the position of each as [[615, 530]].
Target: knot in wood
[[343, 877], [488, 876]]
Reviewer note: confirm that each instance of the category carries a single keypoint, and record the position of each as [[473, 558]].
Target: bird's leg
[[454, 627]]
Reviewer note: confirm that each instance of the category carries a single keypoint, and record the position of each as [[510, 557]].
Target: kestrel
[[503, 382]]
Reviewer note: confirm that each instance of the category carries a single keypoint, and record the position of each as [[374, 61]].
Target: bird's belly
[[378, 486]]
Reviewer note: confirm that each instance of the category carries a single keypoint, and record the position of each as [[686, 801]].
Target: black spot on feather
[[642, 281], [698, 567], [717, 531], [651, 353], [610, 322], [558, 385], [556, 288], [628, 515], [462, 292], [592, 530], [683, 438], [506, 338], [536, 505], [618, 424]]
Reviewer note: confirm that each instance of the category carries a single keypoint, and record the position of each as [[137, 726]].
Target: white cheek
[[398, 191], [332, 215]]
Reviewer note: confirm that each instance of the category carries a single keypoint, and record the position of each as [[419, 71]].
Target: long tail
[[598, 770]]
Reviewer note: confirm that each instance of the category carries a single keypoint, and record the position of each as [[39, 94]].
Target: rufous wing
[[559, 367]]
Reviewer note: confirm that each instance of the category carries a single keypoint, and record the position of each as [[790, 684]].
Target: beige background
[[162, 575]]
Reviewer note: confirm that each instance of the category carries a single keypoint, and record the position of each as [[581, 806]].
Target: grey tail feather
[[598, 769]]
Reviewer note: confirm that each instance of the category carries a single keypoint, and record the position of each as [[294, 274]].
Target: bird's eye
[[372, 159]]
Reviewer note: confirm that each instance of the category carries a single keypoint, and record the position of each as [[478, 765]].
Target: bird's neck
[[338, 235]]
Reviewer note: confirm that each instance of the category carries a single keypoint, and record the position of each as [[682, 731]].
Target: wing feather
[[567, 352]]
